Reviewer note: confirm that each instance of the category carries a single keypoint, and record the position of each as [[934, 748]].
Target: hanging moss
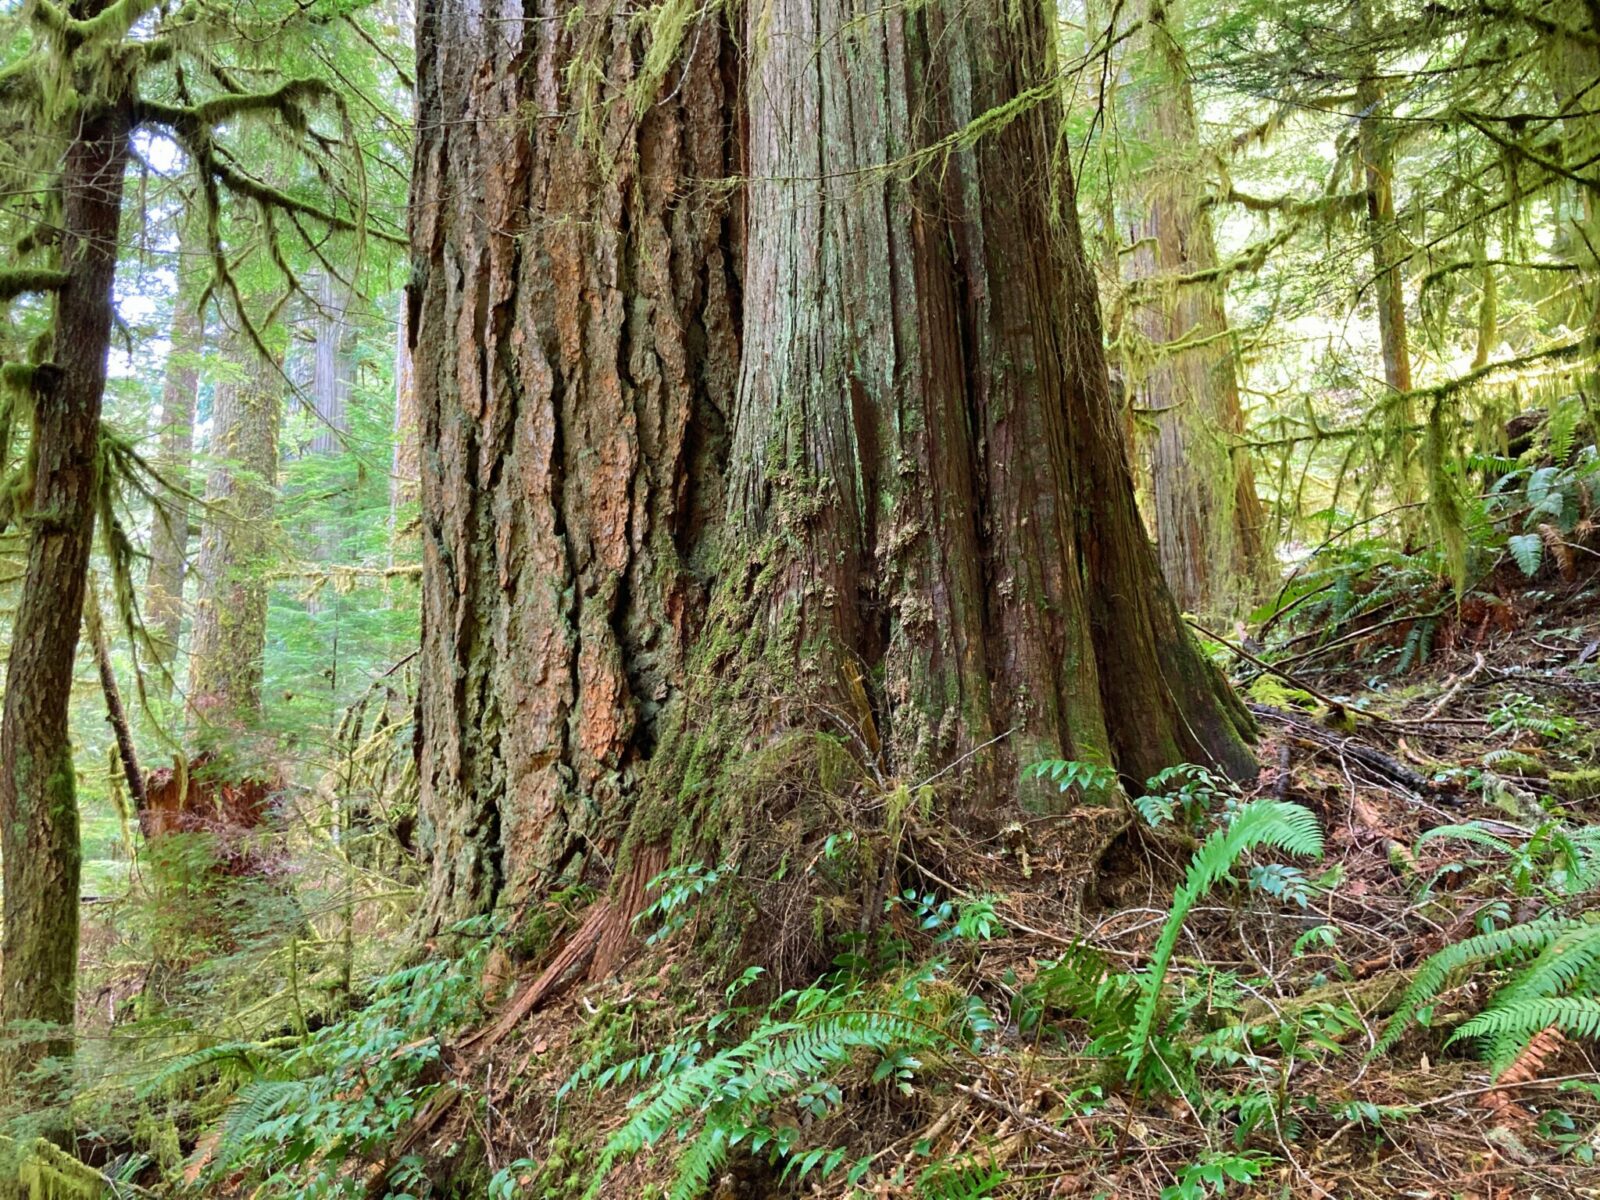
[[40, 1170]]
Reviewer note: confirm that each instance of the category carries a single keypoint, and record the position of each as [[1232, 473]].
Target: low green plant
[[1090, 781], [1211, 1175], [342, 1093], [1555, 981], [1556, 860]]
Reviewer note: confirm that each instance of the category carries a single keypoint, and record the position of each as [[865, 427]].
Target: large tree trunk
[[230, 619], [38, 799], [833, 451], [169, 534], [1208, 520]]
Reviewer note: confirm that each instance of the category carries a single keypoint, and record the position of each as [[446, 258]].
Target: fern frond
[[1473, 833], [697, 1164], [253, 1106], [1440, 968], [250, 1057], [1276, 823], [1576, 1016], [943, 1181]]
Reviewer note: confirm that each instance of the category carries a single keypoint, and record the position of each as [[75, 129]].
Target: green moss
[[1582, 784]]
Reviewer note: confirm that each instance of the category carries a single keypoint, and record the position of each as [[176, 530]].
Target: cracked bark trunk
[[704, 464]]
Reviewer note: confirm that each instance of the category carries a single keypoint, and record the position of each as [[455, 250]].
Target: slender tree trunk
[[705, 470], [1375, 144], [169, 534], [38, 798], [230, 620], [1208, 520], [116, 711]]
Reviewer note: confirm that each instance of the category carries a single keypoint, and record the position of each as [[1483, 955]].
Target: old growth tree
[[762, 391]]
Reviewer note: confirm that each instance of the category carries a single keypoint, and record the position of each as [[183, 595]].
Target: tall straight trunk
[[230, 620], [38, 797], [333, 365], [1208, 520], [405, 468], [1377, 159], [833, 453], [1375, 145], [169, 534]]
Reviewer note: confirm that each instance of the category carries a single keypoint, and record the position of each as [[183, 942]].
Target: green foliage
[[1271, 823], [1557, 982], [1187, 792], [1090, 782], [346, 1091], [718, 1099], [1212, 1174]]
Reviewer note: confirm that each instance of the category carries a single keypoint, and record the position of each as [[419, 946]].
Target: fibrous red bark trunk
[[38, 798], [1207, 520], [830, 449]]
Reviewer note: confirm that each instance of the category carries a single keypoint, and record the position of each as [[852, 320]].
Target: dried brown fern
[[1525, 1068]]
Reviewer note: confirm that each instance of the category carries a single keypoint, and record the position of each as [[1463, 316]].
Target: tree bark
[[116, 711], [228, 641], [1178, 353], [333, 366], [705, 467], [38, 797], [1375, 144], [169, 533]]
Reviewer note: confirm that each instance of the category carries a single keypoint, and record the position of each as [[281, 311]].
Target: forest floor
[[1495, 734]]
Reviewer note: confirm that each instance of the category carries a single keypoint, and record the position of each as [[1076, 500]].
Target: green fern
[[1275, 823], [1567, 965], [1515, 1023], [253, 1107], [971, 1182], [1513, 942], [239, 1059], [724, 1100]]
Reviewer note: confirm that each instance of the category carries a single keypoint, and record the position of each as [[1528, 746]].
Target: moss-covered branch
[[281, 101], [23, 281]]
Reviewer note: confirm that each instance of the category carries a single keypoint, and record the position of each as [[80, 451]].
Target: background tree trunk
[[38, 797], [169, 533], [405, 469], [333, 366], [230, 618], [915, 527], [1208, 520], [1375, 145]]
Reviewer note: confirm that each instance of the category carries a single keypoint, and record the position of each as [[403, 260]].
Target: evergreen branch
[[243, 184]]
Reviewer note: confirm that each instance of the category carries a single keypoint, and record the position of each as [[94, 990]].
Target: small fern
[[1275, 823], [724, 1100]]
